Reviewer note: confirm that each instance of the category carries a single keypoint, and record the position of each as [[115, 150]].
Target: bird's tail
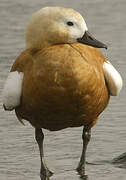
[[19, 118]]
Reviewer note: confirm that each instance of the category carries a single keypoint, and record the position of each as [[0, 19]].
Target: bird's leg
[[86, 138], [45, 173]]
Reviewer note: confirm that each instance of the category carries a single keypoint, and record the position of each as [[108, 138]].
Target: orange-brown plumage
[[63, 86]]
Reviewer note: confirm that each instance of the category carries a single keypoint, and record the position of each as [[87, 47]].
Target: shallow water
[[19, 155]]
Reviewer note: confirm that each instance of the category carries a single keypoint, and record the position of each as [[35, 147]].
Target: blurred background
[[19, 154]]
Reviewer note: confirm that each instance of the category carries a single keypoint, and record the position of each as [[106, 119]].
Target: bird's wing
[[13, 86], [113, 78], [12, 90]]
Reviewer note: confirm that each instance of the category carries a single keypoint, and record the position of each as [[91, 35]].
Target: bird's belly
[[59, 108]]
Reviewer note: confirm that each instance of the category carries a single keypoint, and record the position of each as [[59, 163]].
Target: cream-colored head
[[54, 25]]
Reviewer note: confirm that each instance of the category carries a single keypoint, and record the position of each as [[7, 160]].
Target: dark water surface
[[19, 155]]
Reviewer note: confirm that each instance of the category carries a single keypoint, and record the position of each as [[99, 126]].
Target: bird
[[61, 79]]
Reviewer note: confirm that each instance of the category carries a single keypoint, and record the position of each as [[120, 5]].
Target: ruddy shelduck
[[61, 79]]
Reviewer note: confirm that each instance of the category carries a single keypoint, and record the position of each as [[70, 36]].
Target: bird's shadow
[[119, 161]]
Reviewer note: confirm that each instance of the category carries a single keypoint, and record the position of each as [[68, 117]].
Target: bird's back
[[63, 86]]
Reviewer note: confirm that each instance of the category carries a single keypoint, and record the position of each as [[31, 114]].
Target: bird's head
[[58, 25]]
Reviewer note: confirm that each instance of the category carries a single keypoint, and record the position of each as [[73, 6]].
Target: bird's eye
[[69, 23]]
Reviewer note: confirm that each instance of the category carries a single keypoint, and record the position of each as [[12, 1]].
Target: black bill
[[91, 41]]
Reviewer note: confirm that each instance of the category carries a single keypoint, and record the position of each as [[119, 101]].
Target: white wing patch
[[113, 78], [12, 90]]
